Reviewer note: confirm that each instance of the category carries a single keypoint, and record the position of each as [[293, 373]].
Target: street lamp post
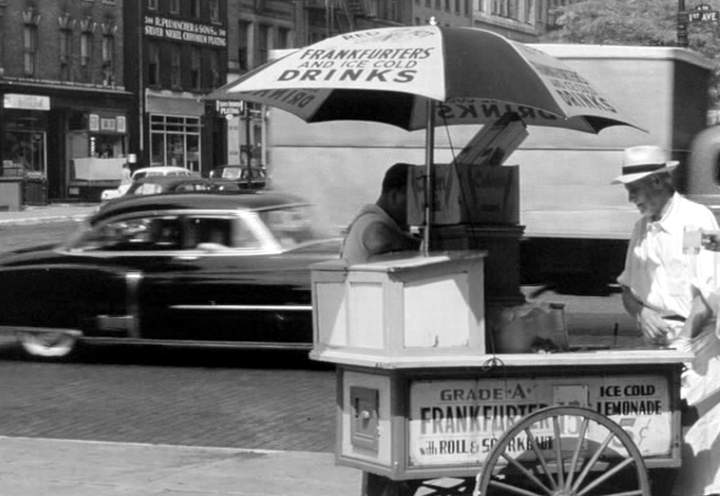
[[682, 24]]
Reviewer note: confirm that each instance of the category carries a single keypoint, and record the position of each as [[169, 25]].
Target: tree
[[637, 22]]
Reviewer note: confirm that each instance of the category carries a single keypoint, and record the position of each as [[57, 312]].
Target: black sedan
[[197, 269]]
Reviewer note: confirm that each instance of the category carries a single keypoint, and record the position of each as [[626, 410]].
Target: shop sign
[[26, 102], [104, 124], [457, 422], [178, 30], [230, 107]]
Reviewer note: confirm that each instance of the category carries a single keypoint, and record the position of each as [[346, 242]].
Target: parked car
[[245, 177], [159, 185], [198, 268], [141, 173]]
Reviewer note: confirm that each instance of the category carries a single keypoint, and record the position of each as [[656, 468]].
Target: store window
[[175, 140], [24, 143]]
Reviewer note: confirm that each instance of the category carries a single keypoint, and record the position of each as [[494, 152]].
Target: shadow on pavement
[[150, 355]]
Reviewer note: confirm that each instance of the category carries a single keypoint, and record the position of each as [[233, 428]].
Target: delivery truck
[[576, 223]]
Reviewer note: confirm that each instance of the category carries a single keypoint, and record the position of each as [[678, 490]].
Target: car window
[[142, 233], [148, 189], [231, 172], [222, 232], [290, 225]]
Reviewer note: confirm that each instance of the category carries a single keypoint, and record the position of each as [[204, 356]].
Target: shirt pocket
[[678, 277]]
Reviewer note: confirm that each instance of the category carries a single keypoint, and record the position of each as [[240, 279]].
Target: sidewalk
[[53, 212], [33, 466]]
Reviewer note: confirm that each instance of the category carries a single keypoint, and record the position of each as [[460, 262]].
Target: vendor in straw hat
[[666, 285], [659, 272]]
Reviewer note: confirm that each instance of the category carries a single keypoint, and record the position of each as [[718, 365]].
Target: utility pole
[[682, 25]]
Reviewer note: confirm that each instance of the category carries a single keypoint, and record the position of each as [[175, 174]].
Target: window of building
[[108, 43], [215, 69], [65, 44], [195, 79], [214, 7], [264, 43], [394, 11], [175, 67], [174, 6], [529, 12], [428, 3], [152, 4], [175, 140], [195, 8], [468, 6], [447, 5], [438, 4], [153, 76], [30, 42], [284, 40], [243, 44]]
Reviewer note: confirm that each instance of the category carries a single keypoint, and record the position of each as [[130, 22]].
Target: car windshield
[[291, 226]]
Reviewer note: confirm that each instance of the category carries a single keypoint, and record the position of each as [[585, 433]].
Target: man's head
[[393, 196], [646, 174]]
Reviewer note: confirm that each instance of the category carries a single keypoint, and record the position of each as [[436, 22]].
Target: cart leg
[[661, 481], [377, 485]]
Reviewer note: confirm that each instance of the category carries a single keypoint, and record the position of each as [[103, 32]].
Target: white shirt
[[657, 269]]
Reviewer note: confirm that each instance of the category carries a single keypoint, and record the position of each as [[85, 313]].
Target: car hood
[[29, 255]]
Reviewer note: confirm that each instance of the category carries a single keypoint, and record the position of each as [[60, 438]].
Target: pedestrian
[[659, 270], [699, 474], [382, 227]]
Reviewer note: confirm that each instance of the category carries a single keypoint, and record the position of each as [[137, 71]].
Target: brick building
[[181, 47], [61, 86]]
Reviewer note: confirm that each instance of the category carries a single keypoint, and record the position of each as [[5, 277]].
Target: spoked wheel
[[564, 451], [50, 345]]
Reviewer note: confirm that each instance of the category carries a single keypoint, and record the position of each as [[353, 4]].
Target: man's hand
[[653, 327]]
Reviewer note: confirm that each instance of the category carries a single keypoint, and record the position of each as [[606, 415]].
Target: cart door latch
[[364, 421]]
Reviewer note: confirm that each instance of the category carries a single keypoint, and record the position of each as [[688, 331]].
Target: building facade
[[62, 89], [181, 53]]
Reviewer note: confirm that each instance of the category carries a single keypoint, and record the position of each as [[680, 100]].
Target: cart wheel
[[558, 463]]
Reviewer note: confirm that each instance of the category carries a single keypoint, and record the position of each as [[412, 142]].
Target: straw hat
[[641, 161]]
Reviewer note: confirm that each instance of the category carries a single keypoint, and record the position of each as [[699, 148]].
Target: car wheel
[[47, 345]]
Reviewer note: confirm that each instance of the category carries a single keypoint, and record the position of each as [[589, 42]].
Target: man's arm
[[378, 238], [649, 321]]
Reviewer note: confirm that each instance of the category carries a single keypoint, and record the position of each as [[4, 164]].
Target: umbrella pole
[[429, 173]]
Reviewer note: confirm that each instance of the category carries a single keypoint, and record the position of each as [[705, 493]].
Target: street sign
[[703, 13]]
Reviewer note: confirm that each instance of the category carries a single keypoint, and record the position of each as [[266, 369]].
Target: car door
[[238, 287], [130, 248]]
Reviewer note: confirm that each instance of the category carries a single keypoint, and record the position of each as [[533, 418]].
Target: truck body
[[576, 223]]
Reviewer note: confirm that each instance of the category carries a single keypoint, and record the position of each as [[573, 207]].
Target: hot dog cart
[[426, 406]]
